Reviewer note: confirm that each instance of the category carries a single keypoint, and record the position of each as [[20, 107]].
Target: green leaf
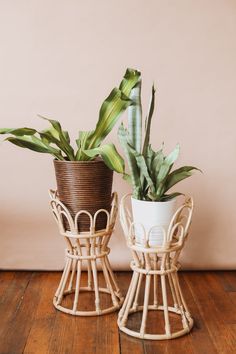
[[113, 106], [167, 197], [148, 123], [18, 131], [143, 167], [167, 164], [132, 163], [165, 169], [33, 143], [110, 156], [135, 118], [65, 146], [172, 157], [178, 175], [67, 136], [82, 143], [129, 81], [157, 161], [110, 111]]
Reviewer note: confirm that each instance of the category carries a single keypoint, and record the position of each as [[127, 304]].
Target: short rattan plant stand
[[85, 249], [157, 268]]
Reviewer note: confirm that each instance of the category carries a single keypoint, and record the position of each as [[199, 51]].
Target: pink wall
[[61, 58]]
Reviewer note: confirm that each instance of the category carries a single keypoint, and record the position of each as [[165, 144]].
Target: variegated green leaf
[[178, 175], [135, 118], [65, 146], [143, 168], [33, 143], [132, 163], [18, 131], [148, 122], [167, 197], [82, 143], [113, 106], [110, 156], [129, 81], [111, 109]]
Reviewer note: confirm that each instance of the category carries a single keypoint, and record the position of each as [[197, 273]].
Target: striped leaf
[[110, 156], [65, 146], [132, 163], [148, 122], [178, 175], [113, 106], [35, 144], [18, 131], [135, 118]]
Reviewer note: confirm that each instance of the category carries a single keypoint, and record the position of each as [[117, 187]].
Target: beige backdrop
[[61, 58]]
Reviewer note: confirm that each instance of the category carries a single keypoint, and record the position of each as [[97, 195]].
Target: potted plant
[[151, 174], [84, 176]]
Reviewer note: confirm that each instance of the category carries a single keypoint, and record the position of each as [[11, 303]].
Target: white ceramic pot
[[155, 215]]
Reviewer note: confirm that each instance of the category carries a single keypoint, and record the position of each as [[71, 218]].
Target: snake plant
[[151, 173], [56, 141]]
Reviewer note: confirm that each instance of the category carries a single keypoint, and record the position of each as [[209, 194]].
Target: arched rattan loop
[[157, 268], [87, 248]]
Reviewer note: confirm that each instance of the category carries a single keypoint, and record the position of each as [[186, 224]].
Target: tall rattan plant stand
[[85, 249], [157, 268]]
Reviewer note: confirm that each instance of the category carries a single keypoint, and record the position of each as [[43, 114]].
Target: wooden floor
[[30, 324]]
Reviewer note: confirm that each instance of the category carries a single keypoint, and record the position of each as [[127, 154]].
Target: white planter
[[156, 215]]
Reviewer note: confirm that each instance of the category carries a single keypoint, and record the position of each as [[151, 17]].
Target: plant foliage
[[56, 141], [151, 173]]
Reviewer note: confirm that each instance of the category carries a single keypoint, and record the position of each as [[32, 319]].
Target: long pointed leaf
[[149, 121], [167, 197], [129, 81], [18, 131], [65, 146], [27, 143], [143, 167], [113, 106], [111, 109], [135, 118], [178, 175], [132, 163], [82, 143], [110, 156]]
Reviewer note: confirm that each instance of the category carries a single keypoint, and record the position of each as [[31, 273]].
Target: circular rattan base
[[156, 269], [88, 313], [87, 251], [152, 336]]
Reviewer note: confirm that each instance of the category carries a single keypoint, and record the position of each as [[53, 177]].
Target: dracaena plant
[[151, 172], [56, 141]]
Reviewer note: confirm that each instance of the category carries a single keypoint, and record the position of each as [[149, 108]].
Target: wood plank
[[71, 331], [97, 334], [200, 337], [44, 319], [17, 331], [176, 346], [10, 301], [6, 279], [221, 298], [129, 344], [211, 314], [30, 324], [228, 280]]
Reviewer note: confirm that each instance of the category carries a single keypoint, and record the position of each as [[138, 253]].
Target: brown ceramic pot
[[85, 185]]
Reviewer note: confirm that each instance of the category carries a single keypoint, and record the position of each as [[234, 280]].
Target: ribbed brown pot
[[85, 185]]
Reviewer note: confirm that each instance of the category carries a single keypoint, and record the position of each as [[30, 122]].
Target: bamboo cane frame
[[88, 248], [150, 263]]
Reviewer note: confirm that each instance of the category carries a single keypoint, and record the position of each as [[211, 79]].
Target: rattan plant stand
[[87, 249], [157, 268]]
